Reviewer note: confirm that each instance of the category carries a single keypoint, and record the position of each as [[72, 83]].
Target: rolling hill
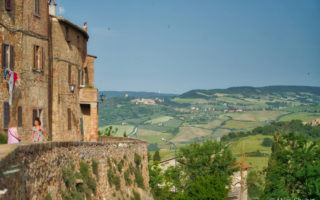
[[253, 91]]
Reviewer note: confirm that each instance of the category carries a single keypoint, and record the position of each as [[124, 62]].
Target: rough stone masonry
[[34, 172]]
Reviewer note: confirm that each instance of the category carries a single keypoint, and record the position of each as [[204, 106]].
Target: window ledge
[[36, 15], [37, 71]]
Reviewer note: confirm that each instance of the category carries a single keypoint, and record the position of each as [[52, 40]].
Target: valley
[[200, 115]]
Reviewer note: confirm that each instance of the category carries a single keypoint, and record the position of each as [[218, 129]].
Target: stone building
[[24, 40], [54, 73]]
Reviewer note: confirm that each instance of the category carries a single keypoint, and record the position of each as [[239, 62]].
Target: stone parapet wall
[[35, 171]]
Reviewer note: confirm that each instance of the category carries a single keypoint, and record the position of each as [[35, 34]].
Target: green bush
[[78, 191], [120, 166], [3, 138], [138, 178], [48, 197], [95, 168], [113, 179], [127, 177], [137, 159], [136, 195], [267, 142]]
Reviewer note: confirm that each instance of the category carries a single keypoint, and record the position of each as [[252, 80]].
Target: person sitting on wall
[[38, 133], [13, 136]]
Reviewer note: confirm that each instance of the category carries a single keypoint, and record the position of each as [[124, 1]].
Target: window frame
[[36, 10], [37, 110], [38, 58], [20, 116], [69, 120], [8, 5], [7, 56], [6, 114]]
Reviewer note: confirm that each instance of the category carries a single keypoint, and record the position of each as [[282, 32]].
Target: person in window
[[13, 136], [38, 133]]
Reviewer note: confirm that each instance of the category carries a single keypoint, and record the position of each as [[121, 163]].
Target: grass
[[251, 144], [242, 125], [166, 154], [256, 116], [303, 116], [211, 125], [159, 120], [152, 136], [188, 133], [218, 133], [190, 101]]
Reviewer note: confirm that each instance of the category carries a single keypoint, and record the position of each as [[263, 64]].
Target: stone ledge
[[8, 152]]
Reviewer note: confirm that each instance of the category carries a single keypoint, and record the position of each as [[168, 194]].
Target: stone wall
[[118, 167]]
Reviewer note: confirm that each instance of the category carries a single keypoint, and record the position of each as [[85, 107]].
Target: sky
[[172, 46]]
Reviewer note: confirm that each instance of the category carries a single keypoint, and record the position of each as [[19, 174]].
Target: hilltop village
[[46, 72]]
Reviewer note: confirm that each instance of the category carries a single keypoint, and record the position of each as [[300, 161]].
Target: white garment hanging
[[11, 85]]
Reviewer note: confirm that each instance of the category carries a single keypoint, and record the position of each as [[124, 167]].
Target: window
[[7, 56], [19, 116], [36, 113], [79, 77], [38, 61], [8, 5], [6, 114], [69, 119], [86, 76], [69, 74], [67, 35], [37, 7]]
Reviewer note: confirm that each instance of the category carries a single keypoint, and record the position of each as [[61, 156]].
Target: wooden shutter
[[19, 116], [6, 114], [11, 57], [42, 59], [34, 115], [79, 77], [37, 7], [69, 73], [35, 57], [69, 119], [8, 5], [4, 64]]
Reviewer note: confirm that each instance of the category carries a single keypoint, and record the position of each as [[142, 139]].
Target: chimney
[[52, 7], [85, 26]]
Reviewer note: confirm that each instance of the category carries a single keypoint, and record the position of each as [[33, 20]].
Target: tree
[[294, 168], [156, 156], [109, 131], [203, 172], [255, 184], [267, 142]]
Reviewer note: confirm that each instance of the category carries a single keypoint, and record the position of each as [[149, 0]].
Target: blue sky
[[178, 45]]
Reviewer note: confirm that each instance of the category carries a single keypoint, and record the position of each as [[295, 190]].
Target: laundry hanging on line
[[13, 81]]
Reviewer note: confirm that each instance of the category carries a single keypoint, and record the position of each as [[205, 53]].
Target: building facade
[[43, 64]]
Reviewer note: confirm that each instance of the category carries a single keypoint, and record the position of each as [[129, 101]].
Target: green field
[[242, 125], [251, 144], [190, 101], [303, 116], [188, 133], [159, 120], [255, 116], [152, 136]]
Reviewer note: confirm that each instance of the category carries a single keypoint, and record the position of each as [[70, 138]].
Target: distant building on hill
[[147, 101]]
